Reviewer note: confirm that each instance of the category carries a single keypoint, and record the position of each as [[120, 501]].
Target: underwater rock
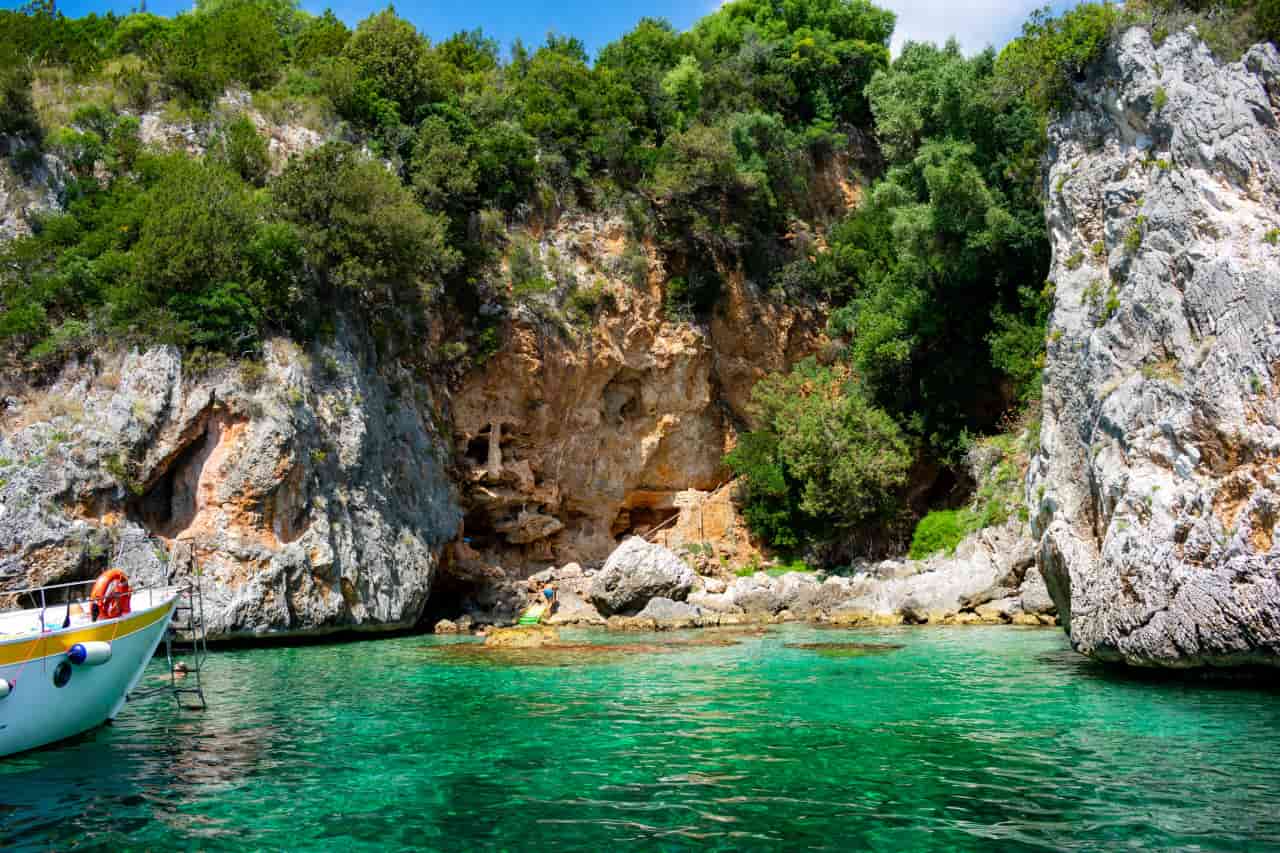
[[521, 637], [847, 650]]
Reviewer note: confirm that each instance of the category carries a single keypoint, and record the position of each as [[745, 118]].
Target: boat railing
[[166, 553], [41, 598]]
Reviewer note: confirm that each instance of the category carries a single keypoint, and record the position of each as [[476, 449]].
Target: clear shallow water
[[964, 739]]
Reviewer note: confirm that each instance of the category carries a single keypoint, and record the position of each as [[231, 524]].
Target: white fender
[[6, 687], [89, 654]]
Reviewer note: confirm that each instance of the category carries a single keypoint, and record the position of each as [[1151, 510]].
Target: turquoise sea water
[[963, 739]]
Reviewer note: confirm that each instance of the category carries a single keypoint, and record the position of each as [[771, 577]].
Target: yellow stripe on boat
[[58, 642]]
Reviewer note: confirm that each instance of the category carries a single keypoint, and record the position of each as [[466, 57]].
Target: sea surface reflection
[[915, 739]]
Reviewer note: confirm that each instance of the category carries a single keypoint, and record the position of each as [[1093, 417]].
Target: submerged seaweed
[[567, 654], [846, 650]]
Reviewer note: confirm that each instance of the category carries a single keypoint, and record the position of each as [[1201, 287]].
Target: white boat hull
[[38, 712]]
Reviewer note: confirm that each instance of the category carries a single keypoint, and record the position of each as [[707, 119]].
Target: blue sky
[[976, 23]]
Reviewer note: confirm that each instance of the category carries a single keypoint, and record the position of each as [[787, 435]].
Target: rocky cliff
[[318, 500], [311, 486], [1156, 491], [574, 436]]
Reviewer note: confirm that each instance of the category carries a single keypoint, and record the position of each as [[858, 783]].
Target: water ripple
[[965, 739]]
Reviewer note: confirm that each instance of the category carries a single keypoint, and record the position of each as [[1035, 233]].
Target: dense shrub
[[364, 233], [390, 56], [936, 262], [320, 38], [17, 112], [822, 460], [1053, 53], [203, 52], [939, 531], [443, 167], [240, 148], [177, 251]]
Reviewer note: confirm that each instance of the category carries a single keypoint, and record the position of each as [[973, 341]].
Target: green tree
[[240, 148], [944, 245], [444, 171], [320, 38], [822, 456], [801, 59], [17, 111], [237, 42], [189, 257], [470, 52], [362, 230], [1053, 53], [390, 55], [640, 61], [683, 85]]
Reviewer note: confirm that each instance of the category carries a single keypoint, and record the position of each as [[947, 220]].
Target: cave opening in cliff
[[478, 448], [479, 532], [450, 597], [622, 396], [949, 489], [168, 506], [642, 520]]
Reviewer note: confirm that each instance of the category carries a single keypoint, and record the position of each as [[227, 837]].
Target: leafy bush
[[823, 459], [363, 232], [17, 111], [939, 531], [1054, 53], [938, 257], [389, 55], [177, 252], [443, 169], [1160, 99], [320, 38], [242, 149], [201, 53]]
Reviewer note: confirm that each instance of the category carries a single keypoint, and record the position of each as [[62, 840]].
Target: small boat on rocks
[[68, 667]]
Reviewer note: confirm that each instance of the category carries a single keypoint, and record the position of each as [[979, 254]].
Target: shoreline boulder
[[637, 572]]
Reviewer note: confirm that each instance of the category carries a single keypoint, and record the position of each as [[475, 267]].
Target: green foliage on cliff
[[363, 232], [942, 257], [17, 112], [710, 136], [1054, 53], [184, 251], [824, 458], [939, 531]]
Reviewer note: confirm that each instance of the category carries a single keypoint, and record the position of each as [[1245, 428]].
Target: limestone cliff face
[[1156, 492], [314, 498], [573, 438], [39, 187]]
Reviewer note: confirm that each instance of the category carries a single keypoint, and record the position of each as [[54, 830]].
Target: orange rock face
[[573, 438]]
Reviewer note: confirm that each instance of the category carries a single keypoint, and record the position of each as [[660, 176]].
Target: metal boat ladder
[[185, 647]]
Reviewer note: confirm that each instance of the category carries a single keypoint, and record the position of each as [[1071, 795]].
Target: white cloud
[[975, 23]]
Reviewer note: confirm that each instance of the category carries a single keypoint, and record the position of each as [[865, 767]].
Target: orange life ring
[[111, 595]]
